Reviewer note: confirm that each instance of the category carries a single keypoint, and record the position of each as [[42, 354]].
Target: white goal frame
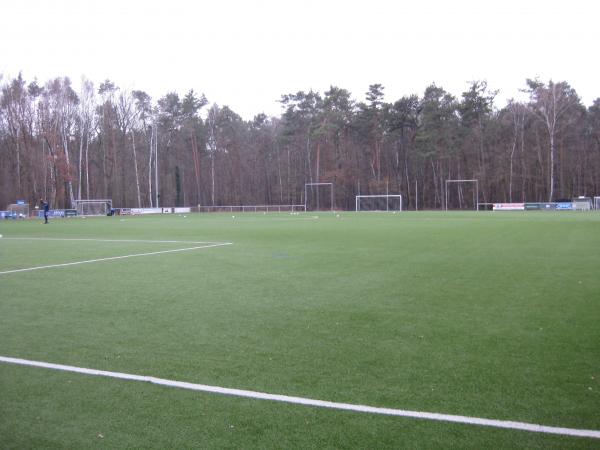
[[387, 203], [307, 185], [597, 203], [475, 194], [21, 210], [79, 205]]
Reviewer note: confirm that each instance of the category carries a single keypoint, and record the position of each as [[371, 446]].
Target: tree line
[[106, 142]]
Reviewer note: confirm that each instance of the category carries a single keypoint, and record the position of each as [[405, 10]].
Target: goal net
[[462, 194], [20, 210], [99, 207], [582, 203], [597, 203], [318, 196], [384, 202]]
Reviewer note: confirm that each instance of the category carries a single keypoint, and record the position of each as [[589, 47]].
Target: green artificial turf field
[[488, 315]]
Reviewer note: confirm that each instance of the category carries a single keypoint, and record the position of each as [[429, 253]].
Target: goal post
[[382, 202], [318, 197], [96, 207], [465, 189]]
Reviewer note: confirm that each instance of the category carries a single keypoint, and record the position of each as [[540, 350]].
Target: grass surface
[[489, 315]]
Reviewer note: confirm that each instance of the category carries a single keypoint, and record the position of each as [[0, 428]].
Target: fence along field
[[387, 311]]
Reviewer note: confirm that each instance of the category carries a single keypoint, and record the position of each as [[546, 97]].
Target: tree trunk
[[212, 177], [80, 165], [196, 158], [135, 165], [69, 186], [551, 196], [150, 158], [87, 167]]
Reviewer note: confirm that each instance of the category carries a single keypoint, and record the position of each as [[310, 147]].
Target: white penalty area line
[[111, 258], [523, 426]]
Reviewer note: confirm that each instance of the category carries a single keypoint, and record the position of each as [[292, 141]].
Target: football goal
[[318, 197], [462, 194], [383, 202], [19, 210], [98, 207]]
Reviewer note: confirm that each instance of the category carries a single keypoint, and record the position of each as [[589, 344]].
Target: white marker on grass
[[506, 424], [111, 258]]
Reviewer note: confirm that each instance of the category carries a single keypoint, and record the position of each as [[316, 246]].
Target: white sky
[[246, 54]]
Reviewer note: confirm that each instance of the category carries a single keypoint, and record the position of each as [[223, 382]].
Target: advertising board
[[564, 206], [508, 206]]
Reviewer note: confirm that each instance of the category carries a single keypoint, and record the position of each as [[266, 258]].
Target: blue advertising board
[[53, 213], [564, 206]]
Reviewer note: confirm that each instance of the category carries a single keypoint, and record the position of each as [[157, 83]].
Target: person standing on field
[[46, 207]]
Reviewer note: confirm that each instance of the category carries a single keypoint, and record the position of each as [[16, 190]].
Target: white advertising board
[[509, 207]]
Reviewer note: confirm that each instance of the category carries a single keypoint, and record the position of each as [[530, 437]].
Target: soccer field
[[484, 315]]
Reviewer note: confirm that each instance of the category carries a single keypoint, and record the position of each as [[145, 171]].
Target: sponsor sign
[[146, 210], [540, 206], [509, 206], [52, 213], [182, 210], [564, 206]]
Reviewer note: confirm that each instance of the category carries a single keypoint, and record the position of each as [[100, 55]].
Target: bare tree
[[212, 146], [86, 116], [58, 122], [64, 146], [550, 104], [127, 116], [107, 91], [12, 106], [517, 113], [144, 115]]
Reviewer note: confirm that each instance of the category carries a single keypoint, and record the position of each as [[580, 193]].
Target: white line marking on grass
[[144, 241], [523, 426], [50, 266]]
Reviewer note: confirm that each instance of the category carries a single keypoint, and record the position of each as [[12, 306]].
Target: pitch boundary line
[[506, 424], [110, 258]]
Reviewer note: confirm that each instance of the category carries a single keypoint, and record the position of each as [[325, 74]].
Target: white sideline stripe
[[113, 258], [108, 240], [312, 402]]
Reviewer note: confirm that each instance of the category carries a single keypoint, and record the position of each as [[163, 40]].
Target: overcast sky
[[246, 54]]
